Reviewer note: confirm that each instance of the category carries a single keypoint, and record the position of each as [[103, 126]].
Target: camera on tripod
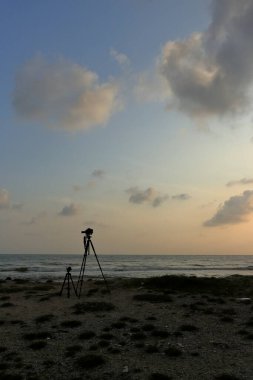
[[88, 232]]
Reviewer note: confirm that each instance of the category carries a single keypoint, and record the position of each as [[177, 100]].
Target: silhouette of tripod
[[68, 277], [87, 244]]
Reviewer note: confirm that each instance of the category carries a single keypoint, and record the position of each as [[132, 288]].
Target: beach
[[171, 327]]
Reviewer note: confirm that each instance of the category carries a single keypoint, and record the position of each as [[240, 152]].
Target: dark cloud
[[181, 197], [69, 210], [98, 173], [63, 94], [159, 200], [150, 195], [234, 210], [243, 181], [211, 73], [140, 196]]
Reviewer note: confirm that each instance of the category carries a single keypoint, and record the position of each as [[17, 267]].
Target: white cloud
[[63, 94], [211, 73], [69, 210], [150, 86], [234, 210], [120, 58], [4, 199]]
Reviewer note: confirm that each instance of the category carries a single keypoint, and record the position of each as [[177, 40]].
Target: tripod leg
[[63, 285], [73, 285], [81, 276], [68, 287], [100, 267]]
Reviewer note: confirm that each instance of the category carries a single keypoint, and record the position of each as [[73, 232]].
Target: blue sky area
[[130, 117]]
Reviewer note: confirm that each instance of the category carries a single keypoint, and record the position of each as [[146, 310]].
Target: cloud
[[77, 188], [35, 219], [150, 86], [234, 210], [63, 94], [140, 196], [4, 199], [181, 197], [120, 58], [17, 206], [69, 210], [159, 200], [243, 181], [149, 196], [98, 173], [211, 73]]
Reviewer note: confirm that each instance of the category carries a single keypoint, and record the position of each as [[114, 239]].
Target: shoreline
[[171, 327]]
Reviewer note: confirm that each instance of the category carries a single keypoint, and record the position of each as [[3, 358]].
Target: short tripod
[[87, 243], [68, 277]]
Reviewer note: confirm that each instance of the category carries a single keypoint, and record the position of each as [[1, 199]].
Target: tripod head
[[69, 269], [88, 232]]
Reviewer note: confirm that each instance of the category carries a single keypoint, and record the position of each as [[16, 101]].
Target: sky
[[131, 117]]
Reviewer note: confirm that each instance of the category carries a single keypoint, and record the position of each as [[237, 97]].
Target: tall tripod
[[68, 277], [87, 244]]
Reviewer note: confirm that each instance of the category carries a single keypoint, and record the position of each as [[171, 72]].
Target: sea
[[53, 267]]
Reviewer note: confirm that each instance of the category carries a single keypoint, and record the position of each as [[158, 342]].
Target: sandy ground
[[135, 332]]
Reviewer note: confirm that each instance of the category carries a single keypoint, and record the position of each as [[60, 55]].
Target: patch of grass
[[38, 345], [160, 333], [93, 347], [81, 308], [17, 322], [227, 319], [44, 318], [151, 318], [151, 349], [104, 343], [153, 298], [114, 350], [159, 376], [71, 324], [38, 335], [228, 286], [48, 363], [73, 350], [188, 327], [118, 325], [148, 327], [4, 366], [106, 336], [173, 351], [138, 336], [227, 376], [11, 376], [87, 335], [7, 304], [128, 319], [90, 361], [5, 298]]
